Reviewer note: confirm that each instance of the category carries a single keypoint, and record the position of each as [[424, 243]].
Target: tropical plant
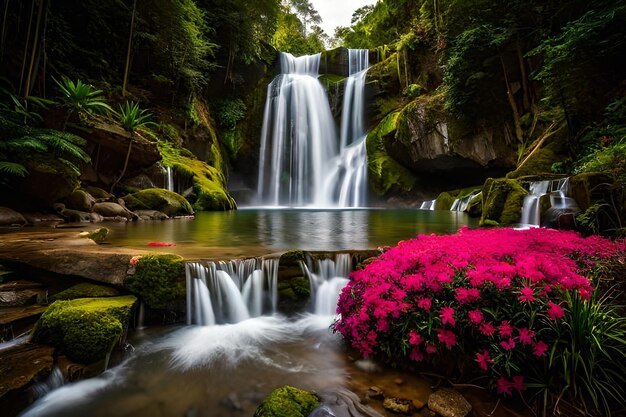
[[132, 118], [81, 98]]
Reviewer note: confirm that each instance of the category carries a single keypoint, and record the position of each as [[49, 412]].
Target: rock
[[288, 401], [9, 217], [418, 404], [99, 194], [397, 405], [502, 201], [110, 209], [80, 200], [165, 201], [140, 182], [15, 314], [448, 402], [151, 215], [73, 216], [21, 366], [322, 411], [98, 235], [375, 393], [588, 187], [444, 201], [37, 218], [85, 290], [158, 279], [85, 329]]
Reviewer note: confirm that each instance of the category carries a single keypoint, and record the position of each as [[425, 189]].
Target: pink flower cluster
[[482, 290]]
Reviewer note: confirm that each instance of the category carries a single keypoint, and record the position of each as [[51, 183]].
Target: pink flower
[[487, 329], [483, 360], [135, 259], [540, 348], [415, 338], [508, 344], [503, 386], [465, 295], [518, 383], [447, 337], [424, 303], [475, 316], [416, 355], [447, 315], [505, 329], [525, 335], [528, 294], [431, 349], [555, 311]]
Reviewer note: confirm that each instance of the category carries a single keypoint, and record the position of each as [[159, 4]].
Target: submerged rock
[[288, 401], [85, 329], [448, 402]]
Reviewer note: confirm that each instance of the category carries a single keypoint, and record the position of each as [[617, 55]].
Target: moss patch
[[541, 160], [85, 329], [385, 173], [165, 201], [288, 401], [502, 201], [444, 201], [158, 279], [85, 290], [98, 235], [475, 206]]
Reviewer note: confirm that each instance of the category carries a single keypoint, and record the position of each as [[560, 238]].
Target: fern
[[13, 168]]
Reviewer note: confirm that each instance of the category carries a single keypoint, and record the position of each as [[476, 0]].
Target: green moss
[[85, 329], [292, 256], [294, 289], [158, 279], [165, 201], [475, 206], [288, 401], [540, 161], [444, 201], [98, 235], [502, 201], [385, 173], [85, 290]]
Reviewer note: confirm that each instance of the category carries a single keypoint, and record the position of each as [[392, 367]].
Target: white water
[[531, 208], [169, 179], [460, 204], [301, 162], [327, 278], [428, 205]]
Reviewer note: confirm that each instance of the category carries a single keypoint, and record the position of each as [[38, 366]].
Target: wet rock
[[165, 201], [151, 215], [322, 411], [37, 218], [99, 194], [287, 401], [80, 200], [85, 290], [110, 209], [448, 402], [73, 216], [375, 393], [397, 405], [9, 217], [98, 235], [426, 412], [20, 293]]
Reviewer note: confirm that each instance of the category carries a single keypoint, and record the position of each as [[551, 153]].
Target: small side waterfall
[[460, 204], [169, 179], [327, 279], [230, 292], [428, 205], [531, 208]]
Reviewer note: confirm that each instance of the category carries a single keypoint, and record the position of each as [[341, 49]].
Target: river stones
[[110, 209], [397, 405], [9, 217], [448, 402], [80, 200]]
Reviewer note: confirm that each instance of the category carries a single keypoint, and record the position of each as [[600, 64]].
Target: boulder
[[158, 279], [502, 200], [159, 199], [98, 193], [80, 200], [448, 402], [98, 235], [10, 217], [85, 329], [151, 215], [37, 218], [20, 293], [110, 209], [49, 181], [85, 290], [288, 401]]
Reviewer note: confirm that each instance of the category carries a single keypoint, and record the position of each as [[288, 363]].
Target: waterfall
[[531, 208], [329, 276], [230, 292], [428, 205], [301, 162], [169, 179], [460, 204]]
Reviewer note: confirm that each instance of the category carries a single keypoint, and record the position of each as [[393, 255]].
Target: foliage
[[287, 401], [501, 297], [158, 279], [81, 98], [132, 117], [229, 112], [291, 35]]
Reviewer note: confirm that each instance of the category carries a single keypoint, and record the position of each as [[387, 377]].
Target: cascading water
[[301, 162], [531, 209], [460, 204], [428, 205], [169, 179], [329, 276]]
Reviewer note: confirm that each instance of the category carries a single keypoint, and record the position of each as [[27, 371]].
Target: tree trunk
[[25, 58], [519, 133], [34, 51], [130, 39], [130, 146], [522, 68], [3, 33]]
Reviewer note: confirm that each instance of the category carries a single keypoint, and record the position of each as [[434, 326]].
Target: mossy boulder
[[288, 401], [475, 206], [294, 289], [85, 290], [98, 235], [158, 279], [502, 200], [80, 200], [165, 201], [85, 329], [385, 174], [444, 201]]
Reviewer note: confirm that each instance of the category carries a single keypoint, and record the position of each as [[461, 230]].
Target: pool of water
[[255, 232]]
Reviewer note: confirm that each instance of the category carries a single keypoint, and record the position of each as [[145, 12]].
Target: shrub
[[495, 300]]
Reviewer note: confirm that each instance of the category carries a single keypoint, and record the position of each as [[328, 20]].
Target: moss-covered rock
[[444, 201], [85, 329], [158, 279], [165, 201], [80, 200], [85, 290], [502, 201], [540, 161], [475, 206], [385, 174], [98, 235], [288, 401]]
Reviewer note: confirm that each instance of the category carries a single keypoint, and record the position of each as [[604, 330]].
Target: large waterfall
[[301, 161]]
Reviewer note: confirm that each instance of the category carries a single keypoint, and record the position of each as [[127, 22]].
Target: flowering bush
[[493, 298]]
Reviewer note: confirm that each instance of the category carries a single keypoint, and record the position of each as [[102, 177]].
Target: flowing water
[[531, 208]]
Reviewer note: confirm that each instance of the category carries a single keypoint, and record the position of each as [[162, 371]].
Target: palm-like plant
[[81, 98], [131, 118]]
